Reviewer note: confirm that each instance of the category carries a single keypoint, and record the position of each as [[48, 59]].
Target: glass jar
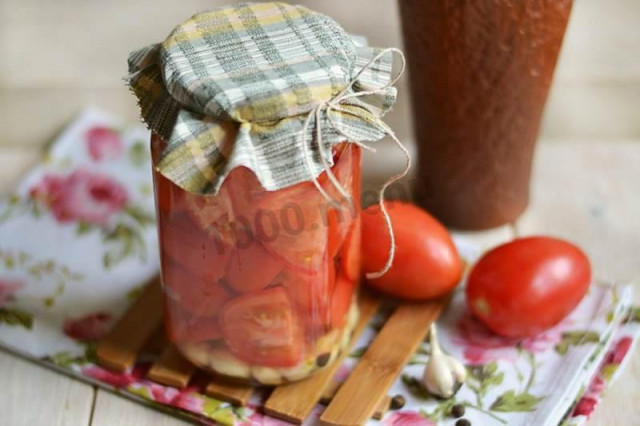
[[260, 285]]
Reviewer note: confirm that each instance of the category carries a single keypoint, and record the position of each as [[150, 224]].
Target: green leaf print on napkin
[[483, 377], [139, 154], [576, 338], [510, 402], [633, 315], [125, 241], [16, 317]]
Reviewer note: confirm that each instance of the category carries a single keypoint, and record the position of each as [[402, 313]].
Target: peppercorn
[[397, 402], [463, 422], [457, 411], [323, 359]]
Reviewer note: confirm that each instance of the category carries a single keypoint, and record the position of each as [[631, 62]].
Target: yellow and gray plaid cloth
[[233, 87]]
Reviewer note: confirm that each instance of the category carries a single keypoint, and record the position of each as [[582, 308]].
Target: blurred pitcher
[[480, 73]]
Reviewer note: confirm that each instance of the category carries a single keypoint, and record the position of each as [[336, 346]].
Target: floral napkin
[[78, 240]]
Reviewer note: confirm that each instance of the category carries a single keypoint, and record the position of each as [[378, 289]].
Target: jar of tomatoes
[[260, 285], [258, 114]]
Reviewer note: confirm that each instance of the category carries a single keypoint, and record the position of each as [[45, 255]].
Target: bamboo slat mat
[[361, 396]]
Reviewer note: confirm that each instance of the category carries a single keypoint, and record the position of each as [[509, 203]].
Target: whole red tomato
[[528, 285], [426, 263]]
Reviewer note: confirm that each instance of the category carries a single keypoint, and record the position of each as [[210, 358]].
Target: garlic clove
[[459, 371], [437, 378], [443, 375]]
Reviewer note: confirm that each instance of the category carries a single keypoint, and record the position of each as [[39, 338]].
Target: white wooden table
[[586, 192]]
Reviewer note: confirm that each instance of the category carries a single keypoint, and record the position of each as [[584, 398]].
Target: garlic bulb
[[444, 374]]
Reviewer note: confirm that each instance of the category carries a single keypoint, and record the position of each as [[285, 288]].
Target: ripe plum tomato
[[261, 328], [426, 262], [197, 296], [528, 285]]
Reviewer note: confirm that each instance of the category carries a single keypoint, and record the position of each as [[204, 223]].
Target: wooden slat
[[382, 408], [172, 369], [237, 394], [119, 350], [363, 391], [34, 395], [330, 391], [293, 402]]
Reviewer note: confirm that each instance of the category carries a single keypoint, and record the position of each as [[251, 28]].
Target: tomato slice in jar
[[261, 329], [209, 210], [350, 253], [341, 300], [252, 268], [311, 296], [203, 253], [301, 236], [184, 327], [244, 191], [197, 296]]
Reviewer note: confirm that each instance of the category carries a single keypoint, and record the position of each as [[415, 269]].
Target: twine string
[[334, 105]]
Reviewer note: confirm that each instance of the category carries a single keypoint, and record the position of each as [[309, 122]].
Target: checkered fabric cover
[[233, 87]]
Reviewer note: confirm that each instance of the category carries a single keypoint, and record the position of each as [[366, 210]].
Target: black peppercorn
[[457, 411], [463, 422], [323, 359], [397, 402]]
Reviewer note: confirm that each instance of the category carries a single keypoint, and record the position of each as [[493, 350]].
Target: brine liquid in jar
[[260, 285]]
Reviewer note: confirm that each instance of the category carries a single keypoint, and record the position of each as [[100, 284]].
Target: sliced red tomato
[[209, 210], [347, 171], [203, 254], [302, 235], [311, 296], [244, 191], [261, 328], [184, 327], [252, 268], [341, 300], [196, 295], [339, 223], [334, 234], [350, 253]]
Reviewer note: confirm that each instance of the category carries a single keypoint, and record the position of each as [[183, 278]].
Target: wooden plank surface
[[33, 395], [295, 401], [365, 388], [114, 410]]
